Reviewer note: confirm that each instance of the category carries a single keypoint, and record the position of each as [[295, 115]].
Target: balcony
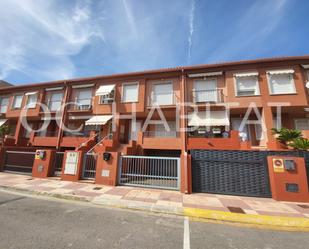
[[166, 99], [208, 96], [83, 104], [48, 138], [75, 139], [232, 142], [54, 106], [159, 140]]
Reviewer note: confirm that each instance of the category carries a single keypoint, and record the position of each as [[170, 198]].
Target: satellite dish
[[307, 84]]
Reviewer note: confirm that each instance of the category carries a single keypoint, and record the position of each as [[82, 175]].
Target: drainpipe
[[60, 133], [183, 110]]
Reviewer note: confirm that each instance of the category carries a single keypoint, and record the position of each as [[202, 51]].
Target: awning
[[214, 118], [98, 120], [103, 90], [286, 71], [305, 66], [246, 74], [2, 121], [30, 93], [208, 74], [54, 88]]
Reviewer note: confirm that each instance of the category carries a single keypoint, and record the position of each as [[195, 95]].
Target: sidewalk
[[259, 211]]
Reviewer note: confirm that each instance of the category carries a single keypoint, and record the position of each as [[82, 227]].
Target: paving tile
[[86, 193], [168, 203], [234, 203], [189, 205], [250, 211]]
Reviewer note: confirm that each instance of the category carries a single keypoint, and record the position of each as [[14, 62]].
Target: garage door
[[230, 172]]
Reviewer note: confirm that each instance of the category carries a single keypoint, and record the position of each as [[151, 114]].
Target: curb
[[265, 221], [250, 220]]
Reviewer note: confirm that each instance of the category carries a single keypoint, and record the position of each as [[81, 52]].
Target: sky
[[45, 40]]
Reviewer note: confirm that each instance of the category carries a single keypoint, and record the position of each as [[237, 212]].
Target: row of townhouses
[[96, 114]]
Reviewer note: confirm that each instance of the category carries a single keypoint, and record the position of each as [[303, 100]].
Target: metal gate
[[148, 171], [89, 166], [19, 161], [58, 161], [230, 172]]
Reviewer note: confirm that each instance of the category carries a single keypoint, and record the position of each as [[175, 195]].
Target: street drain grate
[[97, 188], [236, 210]]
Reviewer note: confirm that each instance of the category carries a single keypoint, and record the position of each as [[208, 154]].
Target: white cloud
[[38, 37], [191, 29]]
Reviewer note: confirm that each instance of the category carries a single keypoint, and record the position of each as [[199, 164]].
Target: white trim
[[270, 88], [248, 95], [79, 117], [31, 93], [246, 74], [83, 86], [2, 121], [54, 88], [105, 89], [305, 66], [283, 71], [129, 83], [196, 75]]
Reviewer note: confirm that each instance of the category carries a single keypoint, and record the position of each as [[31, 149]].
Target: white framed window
[[205, 90], [163, 94], [281, 82], [17, 101], [4, 102], [55, 101], [301, 124], [247, 85], [130, 92], [83, 99], [32, 100], [107, 98]]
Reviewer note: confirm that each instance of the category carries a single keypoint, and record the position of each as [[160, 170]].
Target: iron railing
[[109, 136], [154, 134], [163, 99], [89, 166], [76, 134], [208, 96], [147, 171], [58, 161], [47, 134]]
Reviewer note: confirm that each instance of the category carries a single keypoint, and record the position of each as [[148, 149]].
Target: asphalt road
[[27, 222]]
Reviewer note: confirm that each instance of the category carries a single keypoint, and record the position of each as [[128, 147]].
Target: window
[[17, 102], [205, 90], [55, 101], [302, 124], [83, 99], [307, 74], [130, 92], [4, 102], [31, 100], [247, 86], [163, 94], [281, 83], [107, 98]]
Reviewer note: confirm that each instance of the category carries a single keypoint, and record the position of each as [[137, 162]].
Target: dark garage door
[[230, 172]]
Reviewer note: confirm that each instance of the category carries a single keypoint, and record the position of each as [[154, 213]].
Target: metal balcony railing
[[47, 134], [208, 96], [54, 105], [76, 134], [81, 104], [154, 134], [162, 99]]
